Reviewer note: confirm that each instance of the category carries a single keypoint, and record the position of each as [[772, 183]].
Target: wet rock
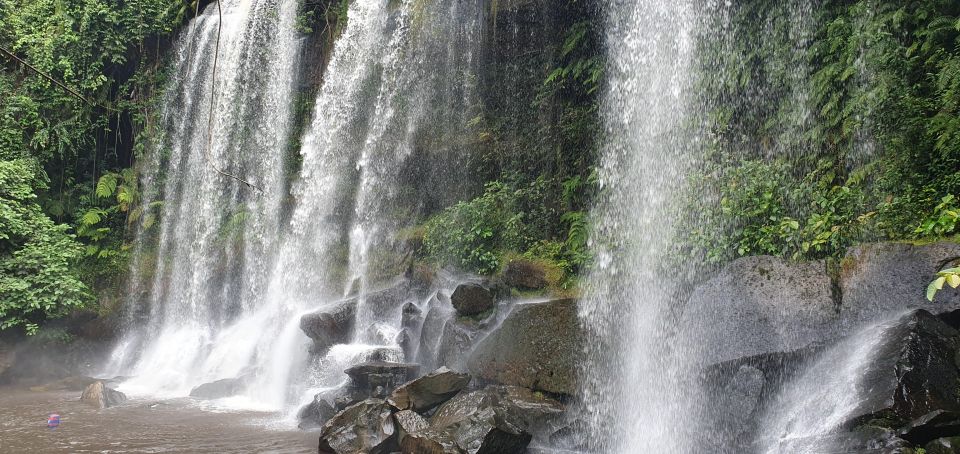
[[334, 324], [365, 427], [438, 312], [455, 343], [411, 317], [913, 373], [880, 279], [408, 345], [769, 305], [378, 379], [482, 433], [571, 436], [947, 445], [425, 393], [525, 274], [330, 326], [315, 413], [429, 441], [537, 346], [408, 422], [739, 400], [219, 389], [471, 299], [521, 407], [930, 426], [98, 395]]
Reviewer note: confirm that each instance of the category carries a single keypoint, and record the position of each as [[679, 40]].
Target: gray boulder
[[758, 305], [317, 412], [455, 343], [219, 389], [471, 299], [98, 395], [411, 323], [425, 393], [334, 323], [408, 422], [365, 427], [537, 346], [522, 407], [878, 280], [330, 326], [497, 419], [913, 373]]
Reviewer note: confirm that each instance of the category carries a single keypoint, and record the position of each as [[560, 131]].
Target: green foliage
[[471, 234], [107, 212], [79, 152], [475, 235], [843, 132], [38, 279], [949, 276], [942, 222]]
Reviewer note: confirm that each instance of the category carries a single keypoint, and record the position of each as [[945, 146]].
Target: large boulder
[[317, 412], [537, 346], [334, 323], [913, 373], [471, 299], [425, 393], [878, 280], [219, 389], [98, 395], [758, 305], [455, 343], [378, 378], [496, 419], [365, 427], [330, 326]]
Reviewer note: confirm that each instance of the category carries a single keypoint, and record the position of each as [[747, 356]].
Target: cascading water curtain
[[212, 258], [631, 380]]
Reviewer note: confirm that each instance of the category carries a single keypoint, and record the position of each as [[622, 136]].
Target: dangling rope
[[213, 101]]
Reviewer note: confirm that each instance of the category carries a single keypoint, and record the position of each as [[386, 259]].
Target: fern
[[107, 185]]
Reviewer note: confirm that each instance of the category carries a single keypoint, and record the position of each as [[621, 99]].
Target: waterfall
[[821, 399], [630, 378], [399, 81], [234, 274], [216, 235]]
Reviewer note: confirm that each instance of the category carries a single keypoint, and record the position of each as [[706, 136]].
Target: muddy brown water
[[139, 426]]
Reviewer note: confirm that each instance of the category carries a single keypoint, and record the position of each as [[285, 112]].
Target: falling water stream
[[626, 313], [234, 279], [216, 234]]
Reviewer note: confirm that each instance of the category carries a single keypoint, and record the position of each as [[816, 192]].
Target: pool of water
[[141, 426]]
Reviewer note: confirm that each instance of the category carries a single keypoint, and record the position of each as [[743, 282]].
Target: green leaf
[[953, 280], [106, 185]]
